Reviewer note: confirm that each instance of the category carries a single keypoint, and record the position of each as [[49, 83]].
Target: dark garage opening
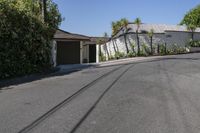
[[68, 52], [92, 53]]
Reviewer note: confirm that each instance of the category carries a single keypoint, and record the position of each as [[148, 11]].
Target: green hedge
[[24, 43]]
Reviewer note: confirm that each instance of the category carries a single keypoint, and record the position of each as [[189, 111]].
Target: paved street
[[151, 96]]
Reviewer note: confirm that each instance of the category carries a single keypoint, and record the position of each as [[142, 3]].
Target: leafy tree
[[192, 20], [25, 40], [117, 26], [114, 28], [138, 23], [192, 17], [150, 34]]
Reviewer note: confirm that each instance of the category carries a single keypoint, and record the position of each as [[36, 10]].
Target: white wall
[[179, 38], [196, 36]]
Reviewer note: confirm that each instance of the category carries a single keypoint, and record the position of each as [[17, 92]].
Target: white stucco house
[[168, 35], [71, 48]]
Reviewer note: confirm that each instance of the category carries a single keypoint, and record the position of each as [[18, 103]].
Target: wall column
[[81, 52], [97, 53], [88, 53]]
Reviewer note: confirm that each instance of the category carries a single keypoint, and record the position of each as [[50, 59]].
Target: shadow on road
[[30, 78]]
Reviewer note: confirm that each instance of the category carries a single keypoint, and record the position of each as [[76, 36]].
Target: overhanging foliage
[[192, 18], [25, 40]]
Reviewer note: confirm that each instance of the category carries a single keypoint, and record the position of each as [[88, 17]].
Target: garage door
[[68, 53], [92, 53]]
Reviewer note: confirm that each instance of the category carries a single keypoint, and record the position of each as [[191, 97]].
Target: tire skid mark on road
[[98, 100], [64, 102]]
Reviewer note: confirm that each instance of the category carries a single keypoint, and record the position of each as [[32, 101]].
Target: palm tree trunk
[[138, 43], [130, 44], [127, 50], [107, 51], [192, 35], [125, 41], [110, 50], [114, 46], [151, 45], [100, 50]]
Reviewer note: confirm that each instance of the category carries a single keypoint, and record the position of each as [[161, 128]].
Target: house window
[[168, 36], [143, 31]]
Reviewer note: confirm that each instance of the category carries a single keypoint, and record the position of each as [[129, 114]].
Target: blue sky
[[94, 17]]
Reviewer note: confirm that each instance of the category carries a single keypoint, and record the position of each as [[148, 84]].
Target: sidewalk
[[76, 67], [73, 67], [127, 60], [138, 59]]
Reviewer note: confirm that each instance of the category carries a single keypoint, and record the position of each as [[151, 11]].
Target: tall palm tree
[[113, 33], [191, 28], [138, 23], [150, 34], [124, 23], [114, 28], [106, 48]]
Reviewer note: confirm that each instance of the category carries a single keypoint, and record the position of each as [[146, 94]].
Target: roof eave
[[70, 39]]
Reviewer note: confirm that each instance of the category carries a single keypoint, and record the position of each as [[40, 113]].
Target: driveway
[[159, 95]]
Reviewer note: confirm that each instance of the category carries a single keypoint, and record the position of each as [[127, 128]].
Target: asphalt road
[[155, 96]]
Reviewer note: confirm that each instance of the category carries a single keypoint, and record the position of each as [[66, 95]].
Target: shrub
[[133, 46], [143, 53], [182, 50], [194, 43], [154, 49], [102, 58], [119, 55], [162, 49], [25, 41], [131, 54], [111, 57], [145, 50], [176, 49]]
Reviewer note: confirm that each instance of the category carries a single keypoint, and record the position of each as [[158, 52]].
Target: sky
[[94, 17]]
